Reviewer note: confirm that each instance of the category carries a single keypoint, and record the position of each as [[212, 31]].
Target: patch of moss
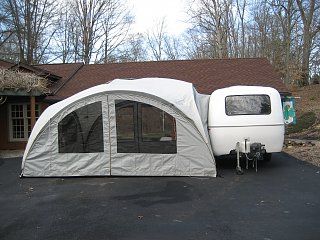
[[305, 121]]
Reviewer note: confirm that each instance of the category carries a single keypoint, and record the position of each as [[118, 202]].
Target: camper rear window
[[248, 105]]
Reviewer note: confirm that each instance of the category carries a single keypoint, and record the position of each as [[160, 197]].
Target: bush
[[305, 121]]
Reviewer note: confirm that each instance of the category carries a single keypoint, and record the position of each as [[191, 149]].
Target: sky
[[150, 12]]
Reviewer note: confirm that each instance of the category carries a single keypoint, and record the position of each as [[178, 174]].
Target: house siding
[[5, 143]]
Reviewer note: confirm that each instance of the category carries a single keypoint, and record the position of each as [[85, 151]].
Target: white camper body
[[110, 129], [245, 115]]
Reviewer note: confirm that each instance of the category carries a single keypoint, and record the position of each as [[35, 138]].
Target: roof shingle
[[64, 70], [206, 75], [6, 64]]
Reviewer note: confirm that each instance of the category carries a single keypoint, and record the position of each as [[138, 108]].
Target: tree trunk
[[307, 16], [306, 50]]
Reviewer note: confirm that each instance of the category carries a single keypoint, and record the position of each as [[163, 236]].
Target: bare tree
[[241, 8], [284, 31], [285, 12], [196, 46], [33, 24], [132, 50], [315, 60], [89, 17], [212, 18], [116, 25], [8, 45], [309, 10], [104, 25], [173, 47], [136, 48], [155, 40], [64, 44]]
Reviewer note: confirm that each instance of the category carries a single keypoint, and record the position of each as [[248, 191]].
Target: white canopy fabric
[[180, 95]]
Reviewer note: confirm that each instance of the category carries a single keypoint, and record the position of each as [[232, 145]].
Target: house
[[19, 109]]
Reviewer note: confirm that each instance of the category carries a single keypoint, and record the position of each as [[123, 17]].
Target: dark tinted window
[[157, 125], [248, 105], [142, 128], [81, 131], [125, 120]]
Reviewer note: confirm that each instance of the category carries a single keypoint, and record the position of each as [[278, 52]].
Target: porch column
[[32, 110]]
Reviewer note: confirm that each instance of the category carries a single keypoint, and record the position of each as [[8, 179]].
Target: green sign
[[289, 113]]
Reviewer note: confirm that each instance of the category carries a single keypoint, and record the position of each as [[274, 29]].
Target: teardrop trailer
[[246, 120], [153, 127]]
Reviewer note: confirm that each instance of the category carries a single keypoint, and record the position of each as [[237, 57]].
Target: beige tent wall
[[44, 158], [193, 157]]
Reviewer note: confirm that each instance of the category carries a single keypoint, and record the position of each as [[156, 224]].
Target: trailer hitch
[[256, 153]]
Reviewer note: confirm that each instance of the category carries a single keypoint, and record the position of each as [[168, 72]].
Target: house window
[[143, 128], [20, 121]]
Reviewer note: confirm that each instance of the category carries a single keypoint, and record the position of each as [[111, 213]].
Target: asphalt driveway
[[281, 201]]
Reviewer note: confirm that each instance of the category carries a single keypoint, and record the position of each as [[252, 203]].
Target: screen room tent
[[151, 126]]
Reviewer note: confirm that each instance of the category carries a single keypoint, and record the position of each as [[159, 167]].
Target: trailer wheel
[[267, 157]]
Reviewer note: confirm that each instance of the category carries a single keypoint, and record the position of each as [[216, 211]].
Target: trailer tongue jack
[[239, 170], [257, 151]]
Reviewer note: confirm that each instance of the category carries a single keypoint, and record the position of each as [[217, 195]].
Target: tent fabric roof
[[206, 75], [165, 89]]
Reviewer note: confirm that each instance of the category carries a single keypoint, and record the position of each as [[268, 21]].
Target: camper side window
[[142, 128], [81, 131], [248, 105]]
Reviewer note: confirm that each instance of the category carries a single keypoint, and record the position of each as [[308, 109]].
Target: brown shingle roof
[[206, 75], [60, 73], [64, 70], [5, 64], [36, 70]]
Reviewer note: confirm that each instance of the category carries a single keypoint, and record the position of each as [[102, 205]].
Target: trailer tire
[[267, 157]]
